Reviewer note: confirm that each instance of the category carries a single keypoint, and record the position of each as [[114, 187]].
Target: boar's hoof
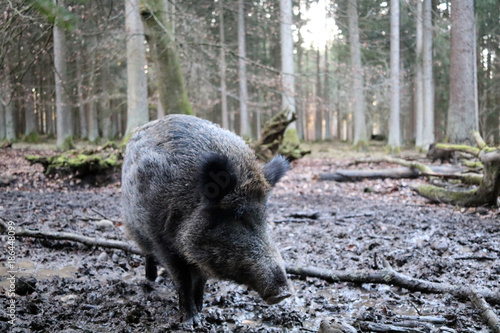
[[191, 321], [277, 298]]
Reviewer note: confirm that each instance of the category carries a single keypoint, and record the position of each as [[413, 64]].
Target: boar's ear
[[217, 177], [275, 169]]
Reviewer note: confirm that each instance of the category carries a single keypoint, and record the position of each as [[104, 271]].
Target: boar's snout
[[278, 287], [278, 298]]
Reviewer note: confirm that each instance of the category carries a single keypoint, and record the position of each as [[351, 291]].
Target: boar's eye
[[275, 169], [217, 178]]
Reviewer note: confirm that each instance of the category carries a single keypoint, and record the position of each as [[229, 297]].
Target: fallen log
[[349, 175], [95, 165]]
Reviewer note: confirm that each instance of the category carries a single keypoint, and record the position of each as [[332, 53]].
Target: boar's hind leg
[[151, 269], [189, 283]]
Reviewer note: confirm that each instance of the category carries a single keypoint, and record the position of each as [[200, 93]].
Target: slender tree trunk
[[160, 111], [2, 115], [318, 119], [93, 118], [137, 89], [7, 105], [419, 84], [81, 103], [394, 140], [223, 89], [428, 87], [63, 107], [29, 104], [326, 97], [463, 108], [300, 89], [170, 81], [242, 72], [105, 110], [287, 66], [360, 135]]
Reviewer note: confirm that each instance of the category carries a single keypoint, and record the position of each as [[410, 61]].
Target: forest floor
[[348, 226]]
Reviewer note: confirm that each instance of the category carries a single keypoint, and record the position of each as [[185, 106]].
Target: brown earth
[[347, 227]]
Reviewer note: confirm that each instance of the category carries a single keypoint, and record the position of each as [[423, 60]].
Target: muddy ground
[[347, 227]]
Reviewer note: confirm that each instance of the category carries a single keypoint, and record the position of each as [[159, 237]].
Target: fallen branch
[[101, 242], [486, 312], [390, 277]]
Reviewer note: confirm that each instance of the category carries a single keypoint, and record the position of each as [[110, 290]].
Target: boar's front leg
[[190, 284], [151, 269]]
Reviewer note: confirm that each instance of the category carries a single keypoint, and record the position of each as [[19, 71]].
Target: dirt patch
[[341, 226]]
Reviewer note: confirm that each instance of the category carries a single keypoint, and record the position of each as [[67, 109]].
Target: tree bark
[[463, 108], [287, 68], [360, 134], [29, 105], [394, 140], [170, 81], [63, 108], [419, 83], [91, 105], [223, 88], [6, 96], [137, 91], [428, 87], [80, 92], [242, 72], [318, 119], [326, 97], [105, 103]]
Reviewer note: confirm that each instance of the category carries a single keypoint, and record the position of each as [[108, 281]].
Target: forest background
[[410, 72]]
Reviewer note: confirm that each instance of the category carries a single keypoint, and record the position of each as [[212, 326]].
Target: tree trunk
[[6, 95], [63, 108], [2, 115], [428, 128], [419, 84], [394, 140], [300, 109], [287, 68], [137, 90], [81, 103], [170, 80], [360, 135], [223, 89], [463, 108], [318, 119], [326, 97], [91, 105], [105, 105], [242, 72], [29, 106]]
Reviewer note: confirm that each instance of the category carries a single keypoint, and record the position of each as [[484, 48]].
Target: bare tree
[[242, 72], [428, 126], [463, 108], [63, 109], [223, 89], [287, 69], [419, 84], [394, 140], [360, 135], [137, 91]]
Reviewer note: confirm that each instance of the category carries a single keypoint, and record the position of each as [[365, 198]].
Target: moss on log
[[81, 163]]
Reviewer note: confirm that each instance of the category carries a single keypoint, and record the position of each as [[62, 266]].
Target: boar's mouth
[[277, 298]]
